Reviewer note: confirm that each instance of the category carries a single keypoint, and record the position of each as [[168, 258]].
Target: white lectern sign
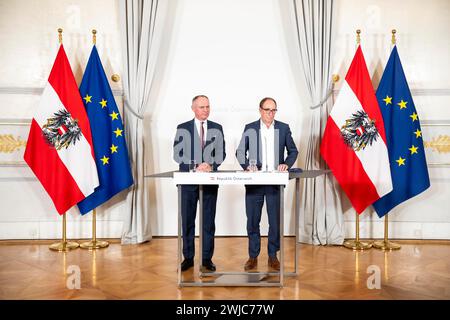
[[239, 177]]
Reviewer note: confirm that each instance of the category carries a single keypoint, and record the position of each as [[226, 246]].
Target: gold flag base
[[357, 245], [386, 245], [94, 244], [63, 246]]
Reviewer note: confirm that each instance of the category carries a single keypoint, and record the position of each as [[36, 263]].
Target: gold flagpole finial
[[393, 36], [94, 37], [60, 30], [358, 38]]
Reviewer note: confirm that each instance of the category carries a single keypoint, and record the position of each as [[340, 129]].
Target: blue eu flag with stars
[[404, 137], [111, 154]]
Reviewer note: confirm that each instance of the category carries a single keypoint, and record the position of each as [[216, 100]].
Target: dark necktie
[[202, 131]]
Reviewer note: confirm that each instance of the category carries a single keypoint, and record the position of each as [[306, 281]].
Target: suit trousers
[[189, 200], [254, 201]]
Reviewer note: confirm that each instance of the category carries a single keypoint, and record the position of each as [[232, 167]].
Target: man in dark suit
[[265, 141], [199, 143]]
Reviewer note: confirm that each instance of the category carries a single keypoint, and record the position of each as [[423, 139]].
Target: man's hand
[[253, 168], [204, 167], [283, 167]]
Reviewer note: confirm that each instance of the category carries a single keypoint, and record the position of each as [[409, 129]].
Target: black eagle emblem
[[359, 131], [61, 130]]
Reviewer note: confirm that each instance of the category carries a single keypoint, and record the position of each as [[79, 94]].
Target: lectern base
[[236, 280], [269, 279]]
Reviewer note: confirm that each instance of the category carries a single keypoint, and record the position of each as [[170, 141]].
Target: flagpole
[[393, 40], [94, 37], [64, 245], [358, 38], [357, 244], [386, 244], [94, 243], [60, 30]]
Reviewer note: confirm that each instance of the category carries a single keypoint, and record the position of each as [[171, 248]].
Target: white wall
[[424, 49], [29, 42], [236, 52], [232, 51]]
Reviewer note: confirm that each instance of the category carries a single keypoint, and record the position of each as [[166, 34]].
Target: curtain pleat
[[141, 34], [321, 218]]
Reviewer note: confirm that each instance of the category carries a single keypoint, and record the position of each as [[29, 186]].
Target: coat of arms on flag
[[61, 130], [359, 131], [354, 142], [59, 147]]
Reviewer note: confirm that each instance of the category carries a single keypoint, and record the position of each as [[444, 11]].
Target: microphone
[[265, 151]]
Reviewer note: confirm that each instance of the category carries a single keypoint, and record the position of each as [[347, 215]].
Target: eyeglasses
[[269, 110]]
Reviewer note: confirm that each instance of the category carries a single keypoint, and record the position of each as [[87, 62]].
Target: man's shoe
[[251, 264], [209, 265], [274, 263], [187, 263]]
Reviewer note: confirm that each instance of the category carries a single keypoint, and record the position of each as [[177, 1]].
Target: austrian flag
[[59, 147], [354, 142]]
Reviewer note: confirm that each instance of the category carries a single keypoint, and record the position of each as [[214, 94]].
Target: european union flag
[[111, 154], [404, 137]]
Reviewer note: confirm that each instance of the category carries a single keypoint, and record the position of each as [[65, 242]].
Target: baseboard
[[400, 230], [53, 230]]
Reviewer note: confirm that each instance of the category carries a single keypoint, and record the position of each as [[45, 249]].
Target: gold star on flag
[[114, 116], [400, 161], [113, 148], [402, 104], [388, 100], [103, 103], [414, 116], [105, 160], [87, 98], [418, 133], [413, 149], [118, 132]]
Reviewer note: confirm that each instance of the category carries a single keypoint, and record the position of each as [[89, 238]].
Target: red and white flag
[[354, 142], [59, 148]]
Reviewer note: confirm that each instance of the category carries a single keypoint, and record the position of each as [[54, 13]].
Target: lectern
[[238, 178]]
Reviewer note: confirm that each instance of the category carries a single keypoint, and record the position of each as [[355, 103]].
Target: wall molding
[[39, 90], [419, 92], [13, 230], [400, 230], [119, 92]]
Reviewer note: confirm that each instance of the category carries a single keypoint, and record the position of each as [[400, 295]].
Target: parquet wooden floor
[[148, 271]]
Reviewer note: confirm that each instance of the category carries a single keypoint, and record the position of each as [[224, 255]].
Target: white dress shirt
[[268, 146], [198, 125]]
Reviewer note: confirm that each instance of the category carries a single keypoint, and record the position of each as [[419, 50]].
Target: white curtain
[[321, 218], [142, 26]]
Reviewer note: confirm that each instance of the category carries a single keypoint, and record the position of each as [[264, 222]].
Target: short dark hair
[[199, 96], [265, 99]]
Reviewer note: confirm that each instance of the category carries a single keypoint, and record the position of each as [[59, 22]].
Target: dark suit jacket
[[187, 145], [250, 146]]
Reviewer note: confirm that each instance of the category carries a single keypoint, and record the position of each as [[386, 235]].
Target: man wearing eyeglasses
[[262, 147]]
